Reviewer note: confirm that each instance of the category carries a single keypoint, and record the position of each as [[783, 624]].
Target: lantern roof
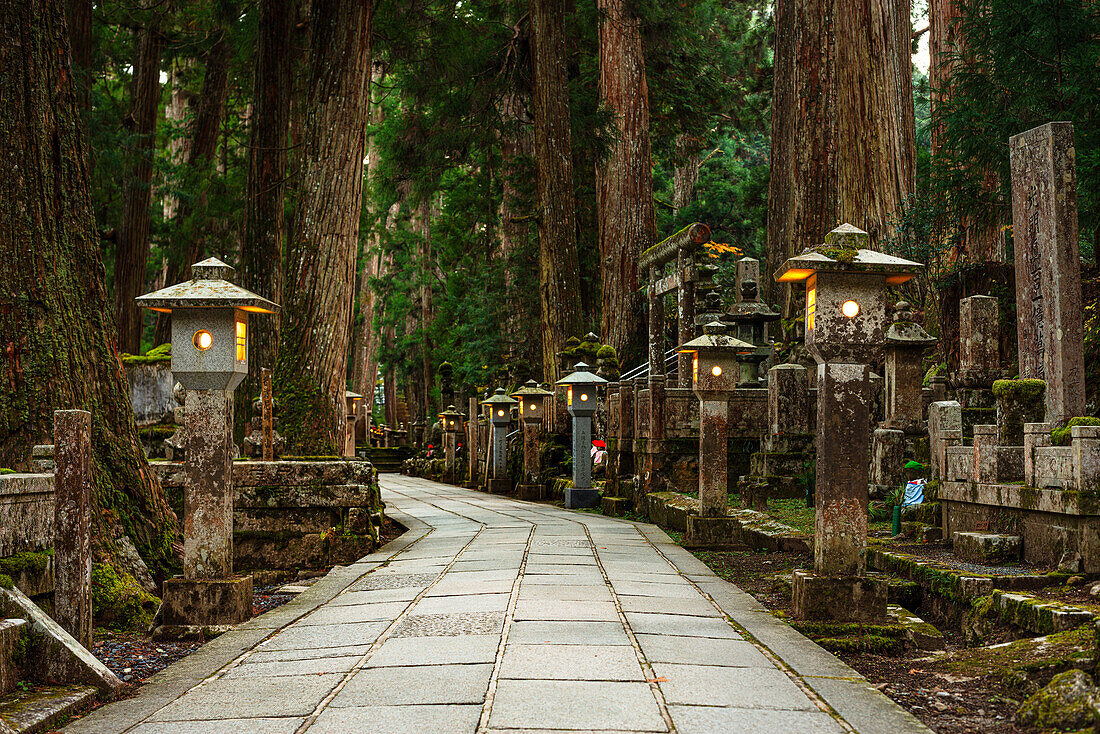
[[452, 412], [499, 398], [750, 311], [211, 286], [581, 377], [847, 249], [714, 337], [531, 389], [350, 394], [905, 332]]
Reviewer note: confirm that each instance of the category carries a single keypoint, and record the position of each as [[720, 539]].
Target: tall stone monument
[[1049, 324]]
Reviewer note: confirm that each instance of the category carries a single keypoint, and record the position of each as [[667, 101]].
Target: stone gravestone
[[1048, 276], [73, 523], [979, 341]]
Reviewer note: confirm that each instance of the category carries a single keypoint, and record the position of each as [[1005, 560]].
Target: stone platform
[[495, 615]]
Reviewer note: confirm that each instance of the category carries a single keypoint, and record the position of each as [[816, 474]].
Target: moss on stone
[[163, 353], [6, 581], [1069, 702], [1061, 436], [119, 601], [1023, 390], [846, 255], [26, 562]]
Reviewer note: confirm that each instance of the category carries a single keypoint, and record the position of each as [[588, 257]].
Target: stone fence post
[[944, 429], [1086, 457], [73, 523], [985, 454], [1036, 436]]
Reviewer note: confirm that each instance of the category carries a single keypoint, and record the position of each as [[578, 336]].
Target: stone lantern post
[[532, 412], [351, 406], [452, 421], [581, 398], [714, 375], [209, 359], [500, 415], [846, 296]]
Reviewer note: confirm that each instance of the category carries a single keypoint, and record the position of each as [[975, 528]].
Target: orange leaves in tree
[[717, 249]]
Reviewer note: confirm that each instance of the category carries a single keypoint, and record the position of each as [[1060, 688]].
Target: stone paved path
[[492, 615]]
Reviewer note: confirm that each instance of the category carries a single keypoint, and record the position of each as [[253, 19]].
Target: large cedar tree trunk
[[624, 183], [264, 226], [133, 231], [875, 129], [78, 16], [802, 186], [56, 328], [311, 368], [559, 273]]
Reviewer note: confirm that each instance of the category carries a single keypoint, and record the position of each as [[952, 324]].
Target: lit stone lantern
[[846, 298], [351, 407], [532, 411], [581, 395], [209, 359], [714, 376], [452, 421], [500, 415]]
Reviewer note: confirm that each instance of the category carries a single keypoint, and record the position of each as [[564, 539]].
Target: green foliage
[[163, 353], [1061, 436], [1024, 63], [6, 581]]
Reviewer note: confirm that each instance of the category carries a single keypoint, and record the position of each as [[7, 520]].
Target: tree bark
[[624, 182], [57, 333], [133, 231], [802, 184], [685, 175], [311, 369], [265, 198], [875, 128], [423, 223], [78, 16], [559, 272]]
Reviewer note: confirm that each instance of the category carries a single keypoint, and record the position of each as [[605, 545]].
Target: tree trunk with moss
[[559, 272], [802, 186], [265, 199], [133, 230], [59, 349], [624, 182], [311, 369]]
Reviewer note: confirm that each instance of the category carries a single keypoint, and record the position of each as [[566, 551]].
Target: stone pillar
[[979, 341], [788, 399], [499, 483], [686, 315], [713, 461], [1036, 436], [349, 436], [208, 485], [888, 459], [625, 447], [938, 383], [1018, 402], [655, 444], [472, 454], [944, 429], [843, 437], [985, 454], [449, 437], [73, 523], [656, 326], [531, 489], [267, 411], [1048, 267], [1085, 441], [582, 457]]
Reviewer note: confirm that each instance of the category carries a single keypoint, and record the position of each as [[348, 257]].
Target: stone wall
[[151, 392], [26, 513], [296, 514]]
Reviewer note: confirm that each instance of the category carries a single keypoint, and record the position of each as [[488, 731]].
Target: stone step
[[10, 631], [42, 708], [919, 633], [986, 548]]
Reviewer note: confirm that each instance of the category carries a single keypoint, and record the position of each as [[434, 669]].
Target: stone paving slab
[[512, 617]]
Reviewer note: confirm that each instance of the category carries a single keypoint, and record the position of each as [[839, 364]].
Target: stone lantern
[[581, 397], [209, 359], [351, 407], [749, 318], [846, 297], [452, 421], [500, 415], [714, 376], [532, 411]]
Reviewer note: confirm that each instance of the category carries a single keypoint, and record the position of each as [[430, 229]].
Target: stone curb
[[855, 701], [183, 675]]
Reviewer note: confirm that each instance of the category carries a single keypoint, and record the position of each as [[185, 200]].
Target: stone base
[[838, 598], [615, 506], [530, 492], [210, 603], [578, 498], [711, 532], [500, 486], [988, 548]]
